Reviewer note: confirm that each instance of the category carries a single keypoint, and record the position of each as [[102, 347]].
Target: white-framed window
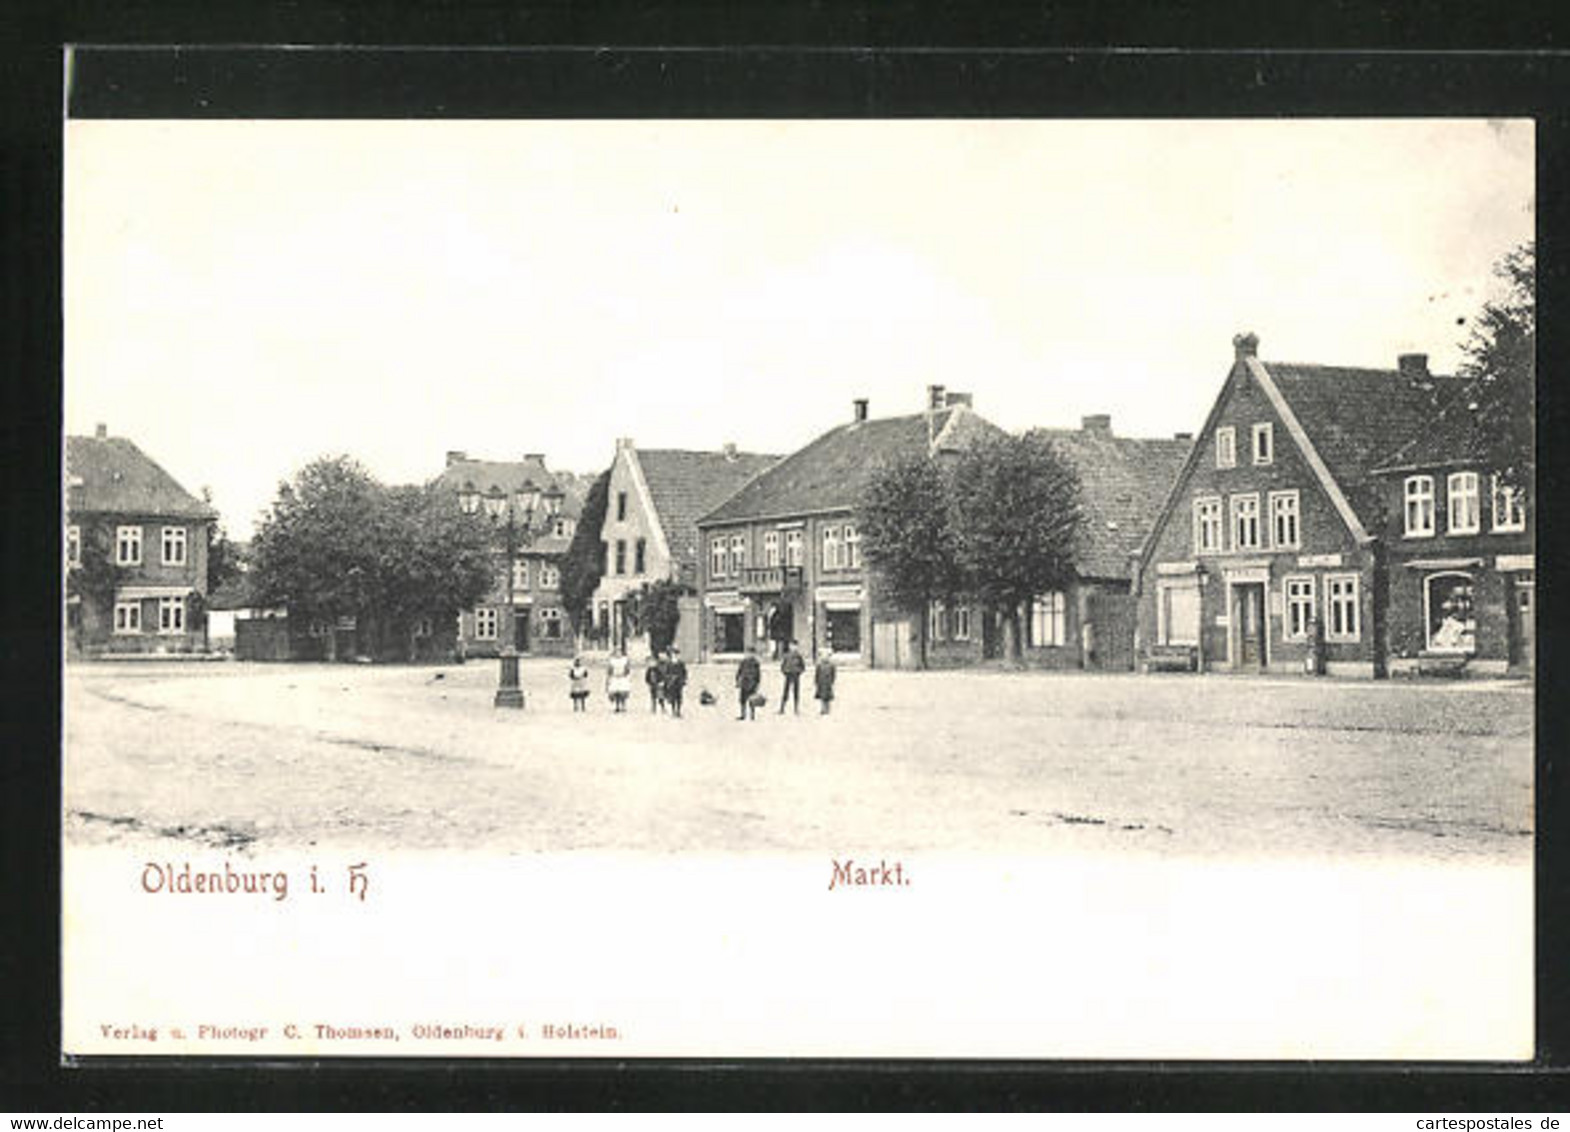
[[738, 553], [1299, 594], [485, 622], [550, 624], [128, 546], [771, 548], [127, 617], [1245, 521], [962, 622], [73, 546], [793, 554], [1048, 620], [831, 548], [717, 557], [937, 620], [1448, 605], [1177, 612], [1341, 607], [1285, 525], [1509, 507], [550, 576], [852, 546], [171, 614], [469, 500], [1463, 503], [1226, 447], [1418, 494], [1264, 443], [174, 546], [1207, 526], [520, 574]]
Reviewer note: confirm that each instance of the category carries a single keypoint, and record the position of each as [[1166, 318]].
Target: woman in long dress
[[618, 679]]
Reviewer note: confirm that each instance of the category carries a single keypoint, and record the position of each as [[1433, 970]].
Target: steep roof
[[1453, 436], [831, 472], [1123, 483], [111, 474], [687, 485]]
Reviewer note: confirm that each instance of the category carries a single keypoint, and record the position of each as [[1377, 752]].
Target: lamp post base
[[508, 693]]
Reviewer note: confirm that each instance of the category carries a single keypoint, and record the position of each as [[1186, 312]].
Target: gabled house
[[536, 511], [1269, 552], [136, 552], [653, 502], [782, 557]]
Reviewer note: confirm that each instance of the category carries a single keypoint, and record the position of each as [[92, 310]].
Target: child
[[618, 680], [823, 681], [654, 677], [578, 680]]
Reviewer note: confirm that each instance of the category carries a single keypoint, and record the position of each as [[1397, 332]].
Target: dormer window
[[1264, 444], [1226, 447], [469, 500]]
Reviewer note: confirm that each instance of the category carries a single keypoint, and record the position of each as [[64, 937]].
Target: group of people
[[749, 679], [665, 674]]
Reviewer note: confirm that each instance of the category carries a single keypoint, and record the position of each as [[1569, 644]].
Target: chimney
[[102, 432], [455, 457], [934, 397], [858, 410], [952, 399], [1413, 367], [534, 457], [1098, 423], [1182, 436], [624, 444], [1245, 345], [729, 448]]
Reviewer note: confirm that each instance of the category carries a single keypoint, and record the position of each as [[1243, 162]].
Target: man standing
[[823, 680], [675, 680], [792, 666], [748, 677]]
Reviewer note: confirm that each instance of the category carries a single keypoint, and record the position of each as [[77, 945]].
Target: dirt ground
[[286, 756]]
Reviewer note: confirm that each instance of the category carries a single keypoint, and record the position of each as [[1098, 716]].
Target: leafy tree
[[434, 561], [1500, 361], [657, 612], [94, 580], [584, 562], [1016, 515], [908, 536]]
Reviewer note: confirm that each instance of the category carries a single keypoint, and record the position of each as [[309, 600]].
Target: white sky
[[241, 297]]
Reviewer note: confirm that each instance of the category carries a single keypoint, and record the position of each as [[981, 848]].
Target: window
[[171, 615], [639, 553], [1264, 443], [936, 621], [852, 546], [1048, 614], [520, 574], [730, 632], [717, 557], [605, 558], [422, 627], [469, 500], [562, 528], [621, 506], [1452, 624], [621, 556], [1300, 607], [962, 622], [793, 548], [1245, 522], [1509, 507], [844, 630], [484, 624], [1342, 606], [738, 553], [550, 576], [128, 546], [1226, 447], [550, 624], [1464, 506], [1207, 526], [1178, 612], [771, 548], [1419, 506], [73, 545], [831, 548], [1284, 520], [127, 617], [174, 546], [317, 629]]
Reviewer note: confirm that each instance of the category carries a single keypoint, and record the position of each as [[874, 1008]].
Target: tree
[[223, 557], [1500, 361], [434, 561], [94, 580], [1016, 513], [584, 562], [908, 536], [657, 611]]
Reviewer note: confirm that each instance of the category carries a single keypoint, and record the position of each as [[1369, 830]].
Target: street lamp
[[508, 692]]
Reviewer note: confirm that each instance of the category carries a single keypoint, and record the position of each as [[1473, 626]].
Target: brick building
[[136, 552], [1283, 525]]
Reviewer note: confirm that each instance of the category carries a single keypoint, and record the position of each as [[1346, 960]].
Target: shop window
[[1452, 625], [1048, 620], [844, 630]]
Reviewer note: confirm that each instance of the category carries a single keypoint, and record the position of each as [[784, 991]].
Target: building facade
[[135, 550]]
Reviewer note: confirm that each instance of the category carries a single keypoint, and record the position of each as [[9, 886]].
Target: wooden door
[[1249, 610]]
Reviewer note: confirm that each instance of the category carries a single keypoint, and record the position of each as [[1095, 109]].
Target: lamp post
[[499, 505]]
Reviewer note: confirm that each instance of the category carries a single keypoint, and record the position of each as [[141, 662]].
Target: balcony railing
[[769, 579]]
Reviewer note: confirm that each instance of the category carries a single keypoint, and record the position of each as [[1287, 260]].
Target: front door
[[989, 634], [520, 630], [1524, 611], [1248, 612]]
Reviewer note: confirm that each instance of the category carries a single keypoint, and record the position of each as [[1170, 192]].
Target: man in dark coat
[[654, 677], [792, 667], [823, 680], [748, 676], [675, 680]]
